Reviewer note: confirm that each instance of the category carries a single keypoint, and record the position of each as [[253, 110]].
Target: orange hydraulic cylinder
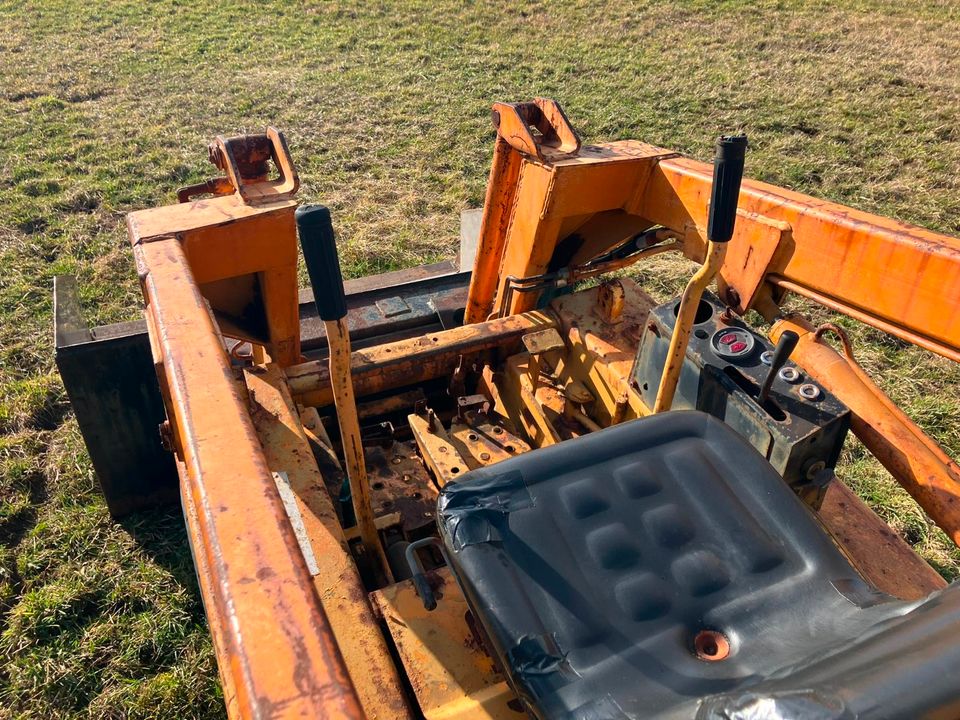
[[912, 457]]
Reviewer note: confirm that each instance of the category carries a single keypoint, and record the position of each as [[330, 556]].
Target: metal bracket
[[534, 127], [244, 159]]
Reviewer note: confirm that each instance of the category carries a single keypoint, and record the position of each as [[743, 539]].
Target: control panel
[[737, 375]]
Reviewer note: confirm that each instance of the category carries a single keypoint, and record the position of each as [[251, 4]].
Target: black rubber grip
[[727, 174], [781, 353], [320, 253]]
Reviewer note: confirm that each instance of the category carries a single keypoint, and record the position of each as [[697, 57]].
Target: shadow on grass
[[162, 534]]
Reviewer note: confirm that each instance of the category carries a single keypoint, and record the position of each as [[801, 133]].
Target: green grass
[[106, 108]]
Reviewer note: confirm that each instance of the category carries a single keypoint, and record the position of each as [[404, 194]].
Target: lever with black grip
[[781, 353], [727, 174], [320, 254], [323, 265]]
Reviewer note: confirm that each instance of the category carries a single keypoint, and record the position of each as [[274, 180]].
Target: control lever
[[781, 353], [320, 254], [722, 217]]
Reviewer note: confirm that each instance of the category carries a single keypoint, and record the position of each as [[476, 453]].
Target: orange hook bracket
[[245, 159], [534, 127]]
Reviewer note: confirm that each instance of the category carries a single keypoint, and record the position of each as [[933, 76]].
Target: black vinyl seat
[[599, 566]]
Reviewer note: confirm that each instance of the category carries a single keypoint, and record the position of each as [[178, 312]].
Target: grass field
[[107, 107]]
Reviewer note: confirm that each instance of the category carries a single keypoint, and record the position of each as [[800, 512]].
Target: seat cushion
[[592, 566]]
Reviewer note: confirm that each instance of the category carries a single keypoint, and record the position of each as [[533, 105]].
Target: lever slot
[[769, 405]]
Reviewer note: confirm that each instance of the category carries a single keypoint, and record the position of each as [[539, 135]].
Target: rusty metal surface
[[452, 675], [401, 402], [244, 160], [484, 439], [542, 341], [335, 575], [438, 452], [399, 483], [274, 642], [878, 553], [602, 354], [413, 361], [399, 301], [555, 135], [351, 444]]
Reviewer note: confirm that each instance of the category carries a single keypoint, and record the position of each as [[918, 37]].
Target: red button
[[727, 339], [738, 347]]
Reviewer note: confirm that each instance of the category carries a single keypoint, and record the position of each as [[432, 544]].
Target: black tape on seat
[[472, 511], [538, 655]]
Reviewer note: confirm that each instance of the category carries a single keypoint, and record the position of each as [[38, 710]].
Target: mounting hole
[[417, 495], [377, 486], [510, 448], [711, 645], [473, 436], [497, 430], [702, 334], [704, 312], [454, 470]]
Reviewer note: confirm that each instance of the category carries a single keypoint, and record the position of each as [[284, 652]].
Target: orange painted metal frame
[[277, 653], [900, 278]]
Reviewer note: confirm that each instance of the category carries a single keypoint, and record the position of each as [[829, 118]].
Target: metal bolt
[[166, 436], [809, 391], [732, 297], [815, 468], [789, 374], [484, 456]]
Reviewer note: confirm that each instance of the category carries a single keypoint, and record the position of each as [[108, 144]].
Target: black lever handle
[[727, 174], [781, 353], [323, 266]]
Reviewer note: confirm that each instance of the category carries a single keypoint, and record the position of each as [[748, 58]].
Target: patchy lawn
[[107, 107]]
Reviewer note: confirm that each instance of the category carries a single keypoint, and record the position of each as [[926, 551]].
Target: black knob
[[320, 254], [727, 174], [781, 353]]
